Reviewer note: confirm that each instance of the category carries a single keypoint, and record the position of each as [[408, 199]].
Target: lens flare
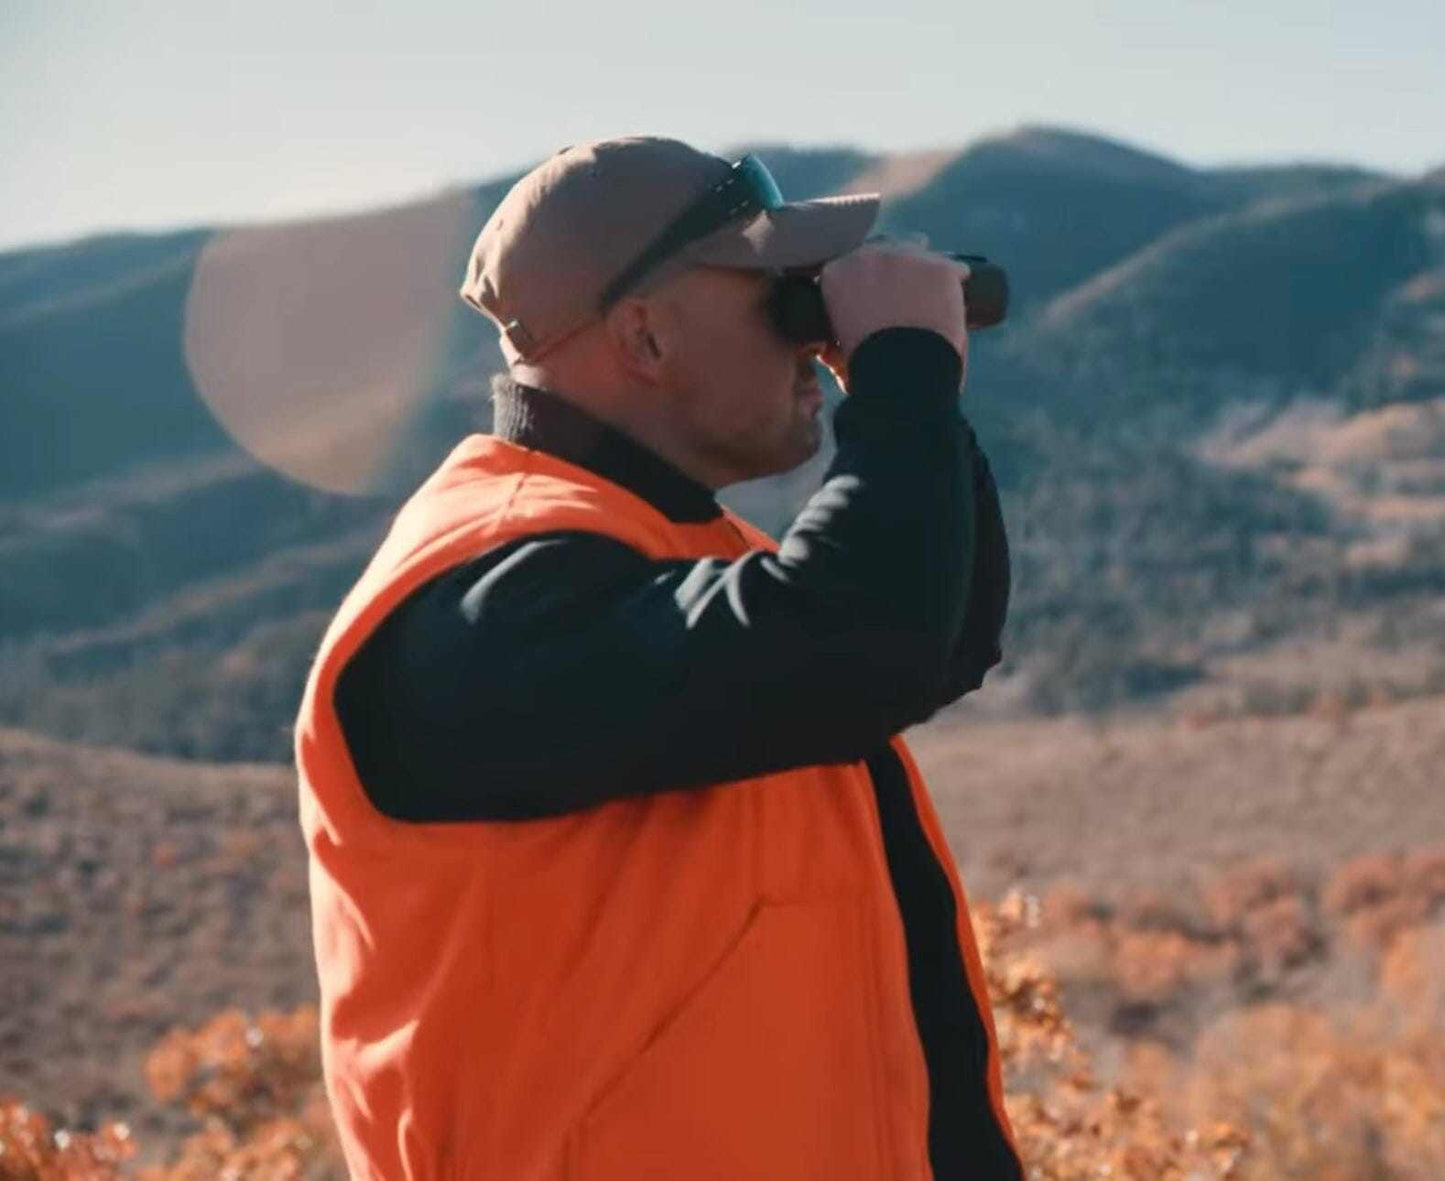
[[316, 343]]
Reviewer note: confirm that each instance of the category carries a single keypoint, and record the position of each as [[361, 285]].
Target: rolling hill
[[1172, 327]]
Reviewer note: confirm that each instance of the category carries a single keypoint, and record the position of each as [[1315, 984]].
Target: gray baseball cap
[[597, 220]]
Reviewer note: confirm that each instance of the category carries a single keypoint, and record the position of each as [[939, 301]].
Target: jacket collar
[[542, 420]]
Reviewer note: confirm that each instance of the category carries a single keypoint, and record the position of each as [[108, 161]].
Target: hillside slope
[[139, 893], [163, 589]]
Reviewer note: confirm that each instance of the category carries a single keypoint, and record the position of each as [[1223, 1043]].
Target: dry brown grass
[[1182, 909]]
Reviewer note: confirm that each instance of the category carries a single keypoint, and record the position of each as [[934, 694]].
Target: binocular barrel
[[801, 314]]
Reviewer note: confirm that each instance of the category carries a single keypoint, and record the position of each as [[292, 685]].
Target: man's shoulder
[[516, 572], [496, 590]]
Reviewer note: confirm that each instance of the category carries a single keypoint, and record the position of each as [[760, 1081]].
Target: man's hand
[[889, 284]]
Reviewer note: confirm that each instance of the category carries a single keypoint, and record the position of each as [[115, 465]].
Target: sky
[[143, 115]]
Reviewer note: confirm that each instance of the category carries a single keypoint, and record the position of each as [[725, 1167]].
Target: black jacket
[[537, 663]]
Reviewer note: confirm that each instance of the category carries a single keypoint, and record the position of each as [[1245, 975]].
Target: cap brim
[[798, 234]]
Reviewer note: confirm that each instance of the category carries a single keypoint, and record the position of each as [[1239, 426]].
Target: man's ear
[[635, 325]]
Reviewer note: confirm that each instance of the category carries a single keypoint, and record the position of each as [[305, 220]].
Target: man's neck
[[543, 420]]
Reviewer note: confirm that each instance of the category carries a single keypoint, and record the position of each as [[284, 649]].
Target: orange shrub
[[1378, 896], [1069, 1126], [1240, 889], [1281, 933], [256, 1084], [32, 1150], [1269, 1092], [1325, 1097]]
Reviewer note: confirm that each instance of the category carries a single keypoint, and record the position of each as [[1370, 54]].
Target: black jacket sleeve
[[978, 648], [563, 670]]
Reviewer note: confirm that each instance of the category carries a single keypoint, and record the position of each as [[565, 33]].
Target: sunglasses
[[795, 304], [747, 190]]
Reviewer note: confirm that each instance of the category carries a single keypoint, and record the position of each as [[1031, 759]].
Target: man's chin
[[797, 450]]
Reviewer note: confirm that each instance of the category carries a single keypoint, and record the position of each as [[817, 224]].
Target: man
[[619, 867]]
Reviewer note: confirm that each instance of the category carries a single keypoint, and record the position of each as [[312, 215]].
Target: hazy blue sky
[[142, 114]]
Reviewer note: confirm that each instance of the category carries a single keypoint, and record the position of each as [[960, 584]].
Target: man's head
[[682, 354]]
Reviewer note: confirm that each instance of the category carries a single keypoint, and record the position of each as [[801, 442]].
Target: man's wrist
[[915, 366]]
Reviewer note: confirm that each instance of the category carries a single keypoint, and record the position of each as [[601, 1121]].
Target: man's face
[[750, 403]]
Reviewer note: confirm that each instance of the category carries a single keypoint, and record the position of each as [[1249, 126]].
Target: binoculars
[[800, 313]]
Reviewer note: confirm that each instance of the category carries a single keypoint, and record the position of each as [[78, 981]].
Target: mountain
[[1294, 291], [98, 349], [90, 361], [1180, 338]]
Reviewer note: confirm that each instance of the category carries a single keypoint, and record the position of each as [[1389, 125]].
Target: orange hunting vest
[[706, 983]]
